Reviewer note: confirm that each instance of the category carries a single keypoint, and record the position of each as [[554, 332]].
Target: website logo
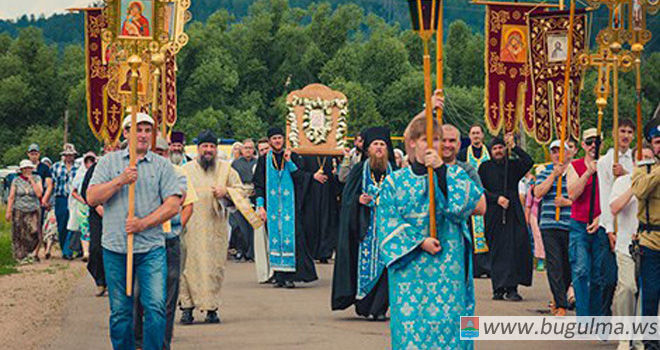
[[469, 327]]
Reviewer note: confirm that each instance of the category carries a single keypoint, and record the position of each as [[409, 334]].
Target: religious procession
[[307, 210]]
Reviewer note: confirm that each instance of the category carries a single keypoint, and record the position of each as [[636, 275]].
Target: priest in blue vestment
[[359, 273], [280, 186], [430, 279]]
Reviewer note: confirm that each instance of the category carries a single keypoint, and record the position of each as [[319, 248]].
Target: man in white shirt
[[623, 205], [608, 171]]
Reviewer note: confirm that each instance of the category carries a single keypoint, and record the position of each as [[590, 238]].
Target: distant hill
[[58, 28], [67, 28]]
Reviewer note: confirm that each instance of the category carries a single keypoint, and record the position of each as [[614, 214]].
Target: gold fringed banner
[[508, 93], [549, 50], [169, 105], [170, 83], [97, 73]]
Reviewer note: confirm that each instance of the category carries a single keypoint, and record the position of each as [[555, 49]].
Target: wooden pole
[[428, 111], [638, 90], [564, 116], [429, 135], [134, 62], [615, 122], [439, 64], [601, 102]]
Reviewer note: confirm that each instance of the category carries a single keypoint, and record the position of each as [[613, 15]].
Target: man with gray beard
[[204, 243], [177, 148]]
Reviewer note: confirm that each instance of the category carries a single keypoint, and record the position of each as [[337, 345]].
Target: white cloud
[[12, 9]]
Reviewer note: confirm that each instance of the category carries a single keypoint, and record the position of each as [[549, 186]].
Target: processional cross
[[612, 58]]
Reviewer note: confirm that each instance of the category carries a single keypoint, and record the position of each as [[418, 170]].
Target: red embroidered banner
[[103, 112], [549, 49], [508, 94]]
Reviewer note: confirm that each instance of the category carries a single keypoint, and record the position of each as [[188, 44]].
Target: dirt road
[[259, 317]]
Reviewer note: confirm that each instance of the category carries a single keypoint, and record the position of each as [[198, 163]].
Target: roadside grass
[[7, 262]]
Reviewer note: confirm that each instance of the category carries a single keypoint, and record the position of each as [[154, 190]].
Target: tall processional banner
[[104, 113], [508, 93], [548, 52]]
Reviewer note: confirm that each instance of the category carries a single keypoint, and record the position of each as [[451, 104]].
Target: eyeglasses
[[590, 141]]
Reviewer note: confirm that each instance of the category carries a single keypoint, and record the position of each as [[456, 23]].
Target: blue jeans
[[585, 253], [151, 271], [62, 216], [650, 276], [173, 249]]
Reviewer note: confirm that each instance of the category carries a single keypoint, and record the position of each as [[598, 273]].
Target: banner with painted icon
[[508, 89], [548, 53]]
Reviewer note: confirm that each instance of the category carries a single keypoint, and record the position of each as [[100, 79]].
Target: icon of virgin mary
[[135, 24], [514, 49]]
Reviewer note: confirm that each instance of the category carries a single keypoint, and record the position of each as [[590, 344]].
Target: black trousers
[[173, 249], [555, 242], [242, 235], [95, 262]]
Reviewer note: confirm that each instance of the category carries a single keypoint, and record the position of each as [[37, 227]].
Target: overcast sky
[[12, 9]]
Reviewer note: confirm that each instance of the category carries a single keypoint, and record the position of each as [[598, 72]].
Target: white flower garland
[[317, 135]]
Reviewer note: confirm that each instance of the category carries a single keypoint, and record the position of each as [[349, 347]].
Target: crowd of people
[[591, 222]]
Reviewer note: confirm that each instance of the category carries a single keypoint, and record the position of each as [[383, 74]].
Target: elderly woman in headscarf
[[24, 212], [235, 151], [399, 157]]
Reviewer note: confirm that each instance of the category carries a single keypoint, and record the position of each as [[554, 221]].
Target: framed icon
[[136, 19]]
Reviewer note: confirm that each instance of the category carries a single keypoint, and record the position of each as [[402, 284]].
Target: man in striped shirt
[[553, 232]]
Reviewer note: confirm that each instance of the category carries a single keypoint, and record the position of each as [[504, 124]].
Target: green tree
[[246, 124], [48, 138], [208, 119], [362, 107]]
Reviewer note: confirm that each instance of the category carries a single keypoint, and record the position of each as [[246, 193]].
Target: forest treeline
[[235, 72]]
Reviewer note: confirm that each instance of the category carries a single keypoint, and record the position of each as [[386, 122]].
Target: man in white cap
[[173, 230], [63, 173], [553, 232], [157, 199]]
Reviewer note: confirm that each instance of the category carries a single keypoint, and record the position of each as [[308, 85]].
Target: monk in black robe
[[305, 270], [359, 276], [321, 206], [506, 230]]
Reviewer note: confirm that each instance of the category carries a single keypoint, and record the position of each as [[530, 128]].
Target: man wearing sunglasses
[[587, 241]]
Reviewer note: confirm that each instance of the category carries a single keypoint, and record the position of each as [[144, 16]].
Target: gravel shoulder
[[32, 301]]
